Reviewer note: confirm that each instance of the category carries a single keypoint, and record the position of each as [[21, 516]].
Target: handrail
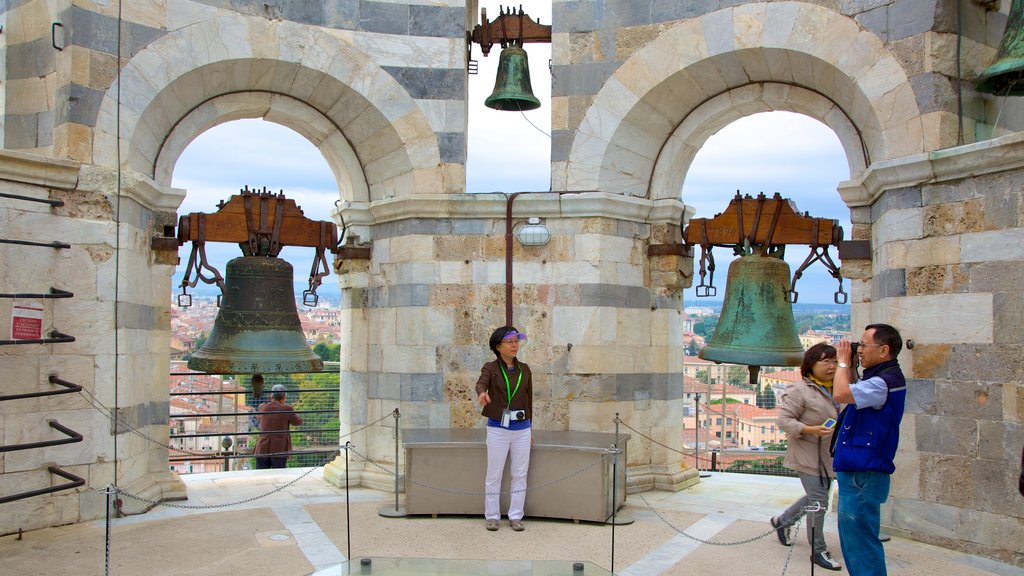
[[251, 433], [222, 456], [209, 414], [53, 244], [75, 483], [72, 438], [56, 337], [54, 203], [69, 387], [53, 293], [243, 391]]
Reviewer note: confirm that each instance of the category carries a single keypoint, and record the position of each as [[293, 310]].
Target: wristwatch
[[843, 365]]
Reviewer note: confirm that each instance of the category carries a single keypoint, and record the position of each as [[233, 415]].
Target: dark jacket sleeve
[[493, 383]]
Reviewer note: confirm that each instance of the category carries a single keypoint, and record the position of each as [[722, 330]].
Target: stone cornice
[[986, 157], [493, 205], [38, 170], [138, 187]]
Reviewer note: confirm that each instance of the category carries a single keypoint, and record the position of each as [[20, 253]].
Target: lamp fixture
[[533, 233]]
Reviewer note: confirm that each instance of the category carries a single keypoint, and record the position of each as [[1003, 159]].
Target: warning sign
[[27, 321]]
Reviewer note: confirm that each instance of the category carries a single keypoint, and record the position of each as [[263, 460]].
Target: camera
[[853, 348], [518, 414]]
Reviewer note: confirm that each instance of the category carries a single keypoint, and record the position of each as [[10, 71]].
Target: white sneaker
[[826, 561]]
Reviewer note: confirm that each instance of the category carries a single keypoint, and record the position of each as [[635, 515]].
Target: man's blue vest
[[866, 439]]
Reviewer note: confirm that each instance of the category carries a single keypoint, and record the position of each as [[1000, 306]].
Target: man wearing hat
[[275, 417]]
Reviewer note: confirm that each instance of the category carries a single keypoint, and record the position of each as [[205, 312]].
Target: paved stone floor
[[276, 522]]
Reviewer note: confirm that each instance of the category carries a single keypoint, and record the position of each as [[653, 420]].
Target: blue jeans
[[860, 497]]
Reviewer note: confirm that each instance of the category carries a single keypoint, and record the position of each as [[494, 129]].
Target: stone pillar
[[603, 320], [121, 287], [946, 235]]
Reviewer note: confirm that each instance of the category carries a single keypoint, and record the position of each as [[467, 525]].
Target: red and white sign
[[27, 321]]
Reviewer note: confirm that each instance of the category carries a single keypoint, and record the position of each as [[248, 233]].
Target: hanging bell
[[512, 89], [756, 326], [1005, 76], [257, 330]]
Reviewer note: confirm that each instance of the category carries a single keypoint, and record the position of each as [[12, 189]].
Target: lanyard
[[508, 386]]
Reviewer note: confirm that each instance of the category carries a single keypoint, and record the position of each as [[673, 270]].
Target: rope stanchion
[[348, 514], [388, 511]]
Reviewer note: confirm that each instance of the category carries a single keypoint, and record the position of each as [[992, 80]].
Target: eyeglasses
[[863, 345], [831, 361]]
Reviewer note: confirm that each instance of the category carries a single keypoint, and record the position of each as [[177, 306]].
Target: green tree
[[328, 352], [702, 375], [692, 348], [765, 397], [737, 374]]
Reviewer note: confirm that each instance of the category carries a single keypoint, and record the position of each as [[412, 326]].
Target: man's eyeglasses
[[863, 345]]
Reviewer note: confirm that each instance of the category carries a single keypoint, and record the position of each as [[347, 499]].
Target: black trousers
[[264, 462]]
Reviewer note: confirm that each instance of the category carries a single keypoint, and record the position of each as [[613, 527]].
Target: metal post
[[696, 431], [615, 489], [348, 517], [388, 511]]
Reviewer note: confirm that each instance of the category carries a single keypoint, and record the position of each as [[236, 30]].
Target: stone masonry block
[[997, 276], [978, 247], [931, 360], [889, 284], [921, 397], [967, 399], [922, 517], [946, 435], [993, 363], [994, 486], [937, 280], [895, 199], [956, 218], [1002, 211], [1008, 318], [438, 21], [949, 480]]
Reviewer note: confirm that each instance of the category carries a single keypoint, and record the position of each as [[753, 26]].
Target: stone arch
[[372, 133], [673, 163], [738, 61], [277, 108]]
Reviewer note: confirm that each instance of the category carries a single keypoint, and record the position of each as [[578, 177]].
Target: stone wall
[[946, 234], [603, 319], [119, 319]]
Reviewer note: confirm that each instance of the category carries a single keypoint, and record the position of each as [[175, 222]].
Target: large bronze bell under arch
[[512, 89], [1005, 76], [257, 330], [756, 326]]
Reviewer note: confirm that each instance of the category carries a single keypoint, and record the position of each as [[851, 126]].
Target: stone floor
[[291, 522]]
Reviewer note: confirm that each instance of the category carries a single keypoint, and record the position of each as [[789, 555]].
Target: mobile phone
[[830, 423]]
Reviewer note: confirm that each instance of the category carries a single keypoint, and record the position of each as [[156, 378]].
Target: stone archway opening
[[212, 167], [793, 154]]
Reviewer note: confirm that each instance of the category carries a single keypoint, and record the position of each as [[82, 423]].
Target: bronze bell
[[257, 330], [512, 89], [1005, 76], [756, 327]]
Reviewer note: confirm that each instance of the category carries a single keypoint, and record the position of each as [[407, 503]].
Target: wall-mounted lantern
[[533, 233]]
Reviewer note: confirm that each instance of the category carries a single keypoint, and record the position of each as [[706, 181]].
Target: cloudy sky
[[775, 152]]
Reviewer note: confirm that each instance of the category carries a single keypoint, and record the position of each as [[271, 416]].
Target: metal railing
[[745, 461], [214, 426]]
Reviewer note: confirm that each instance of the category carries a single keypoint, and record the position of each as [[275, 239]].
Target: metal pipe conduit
[[71, 439], [56, 337], [75, 483], [69, 387]]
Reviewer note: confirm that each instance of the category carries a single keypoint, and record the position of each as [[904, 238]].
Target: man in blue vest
[[866, 438]]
